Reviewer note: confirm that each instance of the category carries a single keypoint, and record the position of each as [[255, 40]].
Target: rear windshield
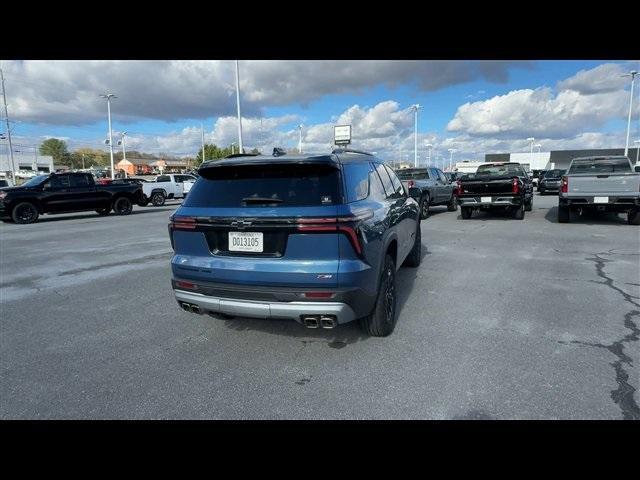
[[617, 165], [411, 174], [499, 170], [266, 185], [554, 173]]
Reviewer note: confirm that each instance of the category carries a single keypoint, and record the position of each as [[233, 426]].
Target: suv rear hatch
[[268, 223]]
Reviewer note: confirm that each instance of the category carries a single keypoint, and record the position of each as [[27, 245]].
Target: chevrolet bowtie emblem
[[241, 223]]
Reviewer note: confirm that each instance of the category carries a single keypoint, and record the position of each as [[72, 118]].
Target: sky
[[474, 107]]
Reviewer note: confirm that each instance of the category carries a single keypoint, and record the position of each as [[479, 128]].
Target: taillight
[[564, 188], [515, 186], [411, 184], [458, 189], [347, 225], [182, 223], [187, 285]]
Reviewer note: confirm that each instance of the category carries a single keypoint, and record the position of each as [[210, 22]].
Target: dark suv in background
[[314, 238]]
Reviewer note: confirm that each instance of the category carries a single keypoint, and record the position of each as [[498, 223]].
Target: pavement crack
[[608, 281], [623, 395]]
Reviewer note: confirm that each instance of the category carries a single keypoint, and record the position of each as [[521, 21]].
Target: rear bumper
[[260, 309], [614, 204], [496, 201]]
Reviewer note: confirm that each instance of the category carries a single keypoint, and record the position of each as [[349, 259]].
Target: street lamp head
[[108, 96], [530, 139]]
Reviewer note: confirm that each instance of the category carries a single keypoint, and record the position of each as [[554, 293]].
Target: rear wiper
[[261, 200]]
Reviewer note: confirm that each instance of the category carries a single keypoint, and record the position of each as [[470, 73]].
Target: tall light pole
[[451, 151], [538, 146], [429, 147], [300, 139], [631, 74], [232, 145], [238, 105], [6, 117], [109, 96], [124, 153], [531, 139], [637, 142], [415, 134], [202, 131]]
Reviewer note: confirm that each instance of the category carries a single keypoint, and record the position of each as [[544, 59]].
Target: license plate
[[485, 199], [600, 199], [246, 242]]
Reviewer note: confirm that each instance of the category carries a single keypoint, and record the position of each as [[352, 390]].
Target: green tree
[[55, 148], [211, 152]]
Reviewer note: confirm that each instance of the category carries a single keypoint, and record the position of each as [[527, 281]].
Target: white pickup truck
[[166, 187], [603, 184]]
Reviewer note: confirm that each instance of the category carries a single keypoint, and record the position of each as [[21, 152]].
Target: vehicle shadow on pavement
[[589, 218], [337, 337], [58, 218], [493, 215]]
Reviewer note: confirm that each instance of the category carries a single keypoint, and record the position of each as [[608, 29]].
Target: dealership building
[[556, 158]]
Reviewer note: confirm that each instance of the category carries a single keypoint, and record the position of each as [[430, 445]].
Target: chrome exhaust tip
[[185, 306], [310, 321], [328, 321], [195, 309]]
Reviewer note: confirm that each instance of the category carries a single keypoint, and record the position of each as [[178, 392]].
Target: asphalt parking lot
[[504, 319]]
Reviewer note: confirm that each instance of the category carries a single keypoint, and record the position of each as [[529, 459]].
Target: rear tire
[[383, 319], [415, 256], [424, 207], [519, 213], [452, 206], [466, 212], [564, 214], [144, 201], [157, 199], [633, 217], [122, 206], [528, 206], [25, 212]]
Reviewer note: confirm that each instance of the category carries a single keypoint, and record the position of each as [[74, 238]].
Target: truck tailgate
[[613, 183], [493, 187]]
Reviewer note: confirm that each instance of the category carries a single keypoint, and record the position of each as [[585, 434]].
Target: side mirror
[[415, 192]]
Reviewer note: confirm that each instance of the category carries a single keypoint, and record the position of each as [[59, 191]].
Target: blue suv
[[313, 238]]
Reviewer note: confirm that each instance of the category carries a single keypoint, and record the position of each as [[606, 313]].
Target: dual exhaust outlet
[[190, 307], [318, 321]]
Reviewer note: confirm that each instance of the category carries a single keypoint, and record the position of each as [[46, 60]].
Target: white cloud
[[66, 92]]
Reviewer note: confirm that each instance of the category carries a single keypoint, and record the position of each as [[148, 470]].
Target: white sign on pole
[[342, 134]]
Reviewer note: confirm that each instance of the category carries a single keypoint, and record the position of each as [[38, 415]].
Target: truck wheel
[[424, 207], [157, 199], [528, 206], [383, 319], [633, 217], [25, 212], [415, 255], [466, 212], [122, 206], [519, 213], [144, 201], [564, 214], [452, 206], [103, 211]]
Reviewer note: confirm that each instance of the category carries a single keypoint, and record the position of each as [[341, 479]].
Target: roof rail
[[348, 150]]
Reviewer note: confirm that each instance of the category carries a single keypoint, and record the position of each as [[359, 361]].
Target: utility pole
[[451, 150], [300, 139], [124, 153], [6, 117], [631, 74], [531, 139], [238, 106], [109, 96]]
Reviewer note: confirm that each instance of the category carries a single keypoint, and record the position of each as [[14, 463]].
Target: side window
[[79, 181], [163, 178], [357, 181], [386, 180], [376, 190], [443, 177], [397, 184], [60, 181]]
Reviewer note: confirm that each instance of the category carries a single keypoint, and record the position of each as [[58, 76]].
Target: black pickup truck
[[65, 192], [496, 185]]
